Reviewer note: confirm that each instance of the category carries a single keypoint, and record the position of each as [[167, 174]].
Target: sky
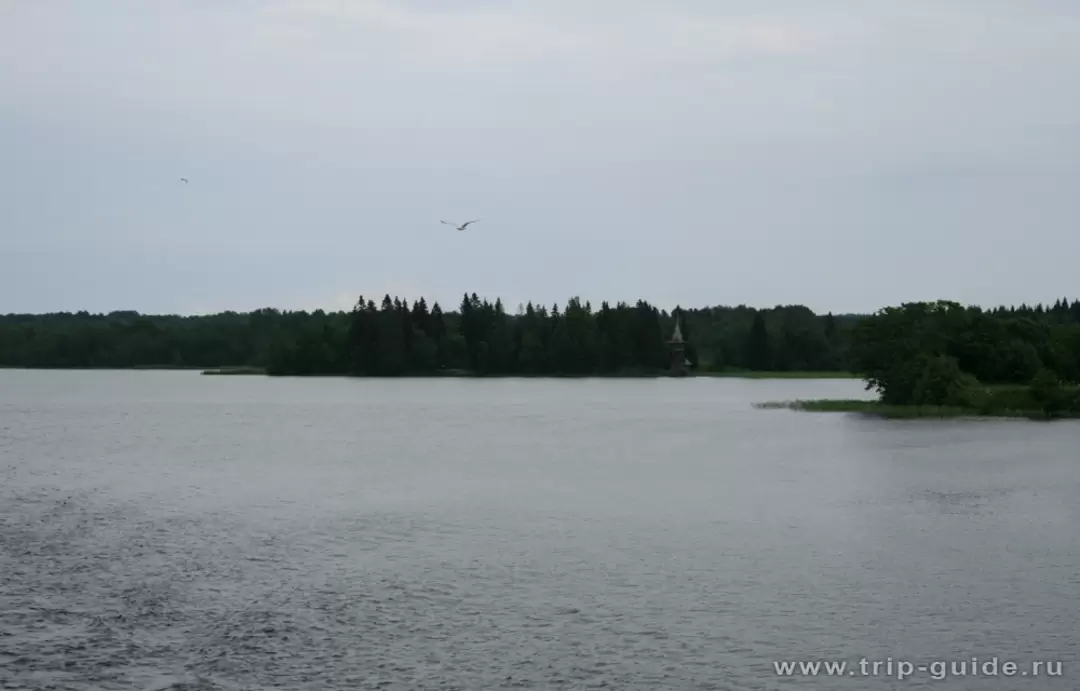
[[845, 155]]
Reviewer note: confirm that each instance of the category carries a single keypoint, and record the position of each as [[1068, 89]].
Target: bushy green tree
[[1048, 393]]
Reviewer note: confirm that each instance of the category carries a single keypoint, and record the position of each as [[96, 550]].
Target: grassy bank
[[464, 374], [902, 412], [877, 408], [747, 374], [236, 370], [626, 374]]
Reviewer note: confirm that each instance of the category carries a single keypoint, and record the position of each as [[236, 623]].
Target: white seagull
[[463, 226], [183, 180]]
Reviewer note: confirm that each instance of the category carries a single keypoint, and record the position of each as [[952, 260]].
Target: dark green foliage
[[688, 334], [944, 354], [1048, 393], [938, 380], [922, 351], [758, 355]]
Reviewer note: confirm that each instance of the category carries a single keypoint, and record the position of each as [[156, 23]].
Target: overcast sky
[[843, 154]]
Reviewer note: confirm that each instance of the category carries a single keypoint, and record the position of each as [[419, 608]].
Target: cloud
[[400, 76], [499, 39], [780, 38], [739, 141]]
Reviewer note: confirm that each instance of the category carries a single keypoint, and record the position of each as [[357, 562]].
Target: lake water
[[165, 530]]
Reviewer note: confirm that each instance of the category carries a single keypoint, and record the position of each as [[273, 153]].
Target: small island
[[942, 359]]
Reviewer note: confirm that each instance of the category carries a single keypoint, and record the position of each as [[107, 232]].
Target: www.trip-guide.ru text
[[903, 669]]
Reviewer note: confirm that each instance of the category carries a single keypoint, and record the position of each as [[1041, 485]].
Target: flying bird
[[463, 226], [183, 180]]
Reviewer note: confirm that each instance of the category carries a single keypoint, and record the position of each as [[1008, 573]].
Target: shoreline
[[794, 374], [463, 374], [141, 368], [908, 412], [250, 370]]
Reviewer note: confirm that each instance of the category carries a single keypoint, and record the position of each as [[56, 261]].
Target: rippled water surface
[[163, 530]]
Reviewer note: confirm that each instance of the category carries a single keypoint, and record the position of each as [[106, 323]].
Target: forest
[[894, 349], [1004, 361], [395, 338]]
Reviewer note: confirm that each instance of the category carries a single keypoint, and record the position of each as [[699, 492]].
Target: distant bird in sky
[[183, 180], [463, 226]]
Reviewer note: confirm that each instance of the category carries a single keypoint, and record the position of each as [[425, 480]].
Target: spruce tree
[[758, 356]]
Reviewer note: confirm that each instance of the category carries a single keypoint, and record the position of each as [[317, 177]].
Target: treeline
[[394, 338], [945, 354], [917, 352]]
